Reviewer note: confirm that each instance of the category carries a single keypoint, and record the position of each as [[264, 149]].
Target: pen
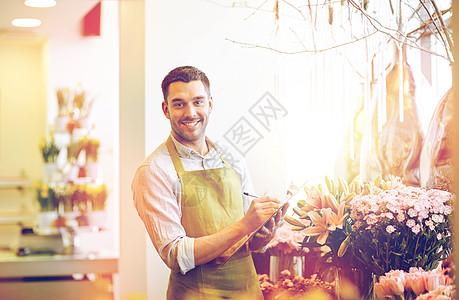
[[247, 194]]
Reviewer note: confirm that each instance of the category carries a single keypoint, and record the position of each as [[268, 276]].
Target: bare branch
[[294, 7], [405, 40], [436, 26], [443, 27], [256, 10], [305, 50]]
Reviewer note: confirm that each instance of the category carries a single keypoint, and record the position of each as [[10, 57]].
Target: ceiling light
[[40, 3], [26, 22]]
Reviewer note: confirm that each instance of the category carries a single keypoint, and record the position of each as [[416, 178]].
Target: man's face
[[188, 107]]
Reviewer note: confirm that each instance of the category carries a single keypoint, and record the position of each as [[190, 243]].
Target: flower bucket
[[353, 283], [44, 222], [61, 123], [92, 170], [72, 173], [49, 170], [291, 263], [84, 123]]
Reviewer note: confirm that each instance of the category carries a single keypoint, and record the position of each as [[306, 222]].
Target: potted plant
[[49, 151], [63, 96], [92, 154]]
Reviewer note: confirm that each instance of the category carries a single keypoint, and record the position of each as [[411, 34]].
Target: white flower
[[390, 229]]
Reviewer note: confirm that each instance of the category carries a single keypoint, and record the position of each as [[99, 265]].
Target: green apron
[[212, 200]]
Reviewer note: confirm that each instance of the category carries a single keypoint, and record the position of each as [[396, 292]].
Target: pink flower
[[416, 229], [287, 283], [410, 223], [415, 282], [434, 280], [286, 273], [263, 277], [392, 285], [400, 217], [390, 229], [265, 285], [381, 291]]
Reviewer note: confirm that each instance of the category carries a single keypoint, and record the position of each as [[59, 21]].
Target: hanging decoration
[[437, 154], [396, 149]]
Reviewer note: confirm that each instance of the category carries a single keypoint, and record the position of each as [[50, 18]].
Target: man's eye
[[199, 102], [178, 104]]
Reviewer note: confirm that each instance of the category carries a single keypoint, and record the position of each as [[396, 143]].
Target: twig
[[303, 51], [443, 27], [256, 10], [410, 44], [297, 9]]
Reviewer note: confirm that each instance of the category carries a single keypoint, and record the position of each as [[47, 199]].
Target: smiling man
[[195, 213]]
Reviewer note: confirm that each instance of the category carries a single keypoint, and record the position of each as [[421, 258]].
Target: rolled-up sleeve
[[154, 196]]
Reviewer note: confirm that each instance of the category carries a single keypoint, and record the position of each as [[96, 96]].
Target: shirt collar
[[185, 151]]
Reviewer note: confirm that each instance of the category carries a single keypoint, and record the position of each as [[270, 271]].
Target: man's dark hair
[[184, 74]]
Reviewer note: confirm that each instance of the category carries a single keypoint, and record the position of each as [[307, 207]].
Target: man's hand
[[259, 211], [268, 231]]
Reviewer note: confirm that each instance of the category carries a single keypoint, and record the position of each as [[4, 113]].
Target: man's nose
[[190, 111]]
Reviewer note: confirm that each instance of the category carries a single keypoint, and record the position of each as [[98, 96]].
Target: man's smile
[[191, 124]]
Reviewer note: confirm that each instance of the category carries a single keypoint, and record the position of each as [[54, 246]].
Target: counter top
[[12, 266]]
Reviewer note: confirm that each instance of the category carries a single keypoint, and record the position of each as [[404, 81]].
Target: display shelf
[[17, 218], [15, 183]]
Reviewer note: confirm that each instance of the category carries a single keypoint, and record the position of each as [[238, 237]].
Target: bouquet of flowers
[[63, 195], [325, 221], [81, 105], [287, 242], [62, 95], [92, 149], [376, 227], [74, 149], [49, 149], [46, 197], [295, 287], [415, 284], [399, 227]]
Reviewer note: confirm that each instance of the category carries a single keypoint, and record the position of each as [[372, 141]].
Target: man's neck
[[201, 146]]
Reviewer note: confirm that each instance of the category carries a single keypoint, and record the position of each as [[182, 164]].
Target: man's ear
[[211, 104], [165, 109]]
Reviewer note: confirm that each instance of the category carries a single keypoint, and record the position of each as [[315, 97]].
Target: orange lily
[[338, 219], [318, 200], [325, 222]]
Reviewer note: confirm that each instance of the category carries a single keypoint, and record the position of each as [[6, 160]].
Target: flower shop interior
[[307, 92]]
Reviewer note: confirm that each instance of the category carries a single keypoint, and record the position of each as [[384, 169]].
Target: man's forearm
[[209, 247]]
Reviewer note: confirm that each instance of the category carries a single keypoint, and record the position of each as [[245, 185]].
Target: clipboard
[[222, 259]]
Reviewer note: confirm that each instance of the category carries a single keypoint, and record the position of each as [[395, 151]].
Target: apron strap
[[175, 157]]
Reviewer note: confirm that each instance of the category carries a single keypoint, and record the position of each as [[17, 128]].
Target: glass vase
[[393, 147], [291, 263], [436, 169], [353, 283]]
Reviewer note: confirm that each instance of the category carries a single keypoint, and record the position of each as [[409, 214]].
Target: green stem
[[404, 252], [415, 249]]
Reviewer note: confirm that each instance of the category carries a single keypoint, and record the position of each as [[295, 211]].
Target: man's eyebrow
[[176, 100]]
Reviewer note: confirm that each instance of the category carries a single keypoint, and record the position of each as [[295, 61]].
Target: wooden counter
[[70, 277]]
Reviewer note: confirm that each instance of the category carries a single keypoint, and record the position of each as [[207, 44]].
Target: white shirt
[[156, 194]]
